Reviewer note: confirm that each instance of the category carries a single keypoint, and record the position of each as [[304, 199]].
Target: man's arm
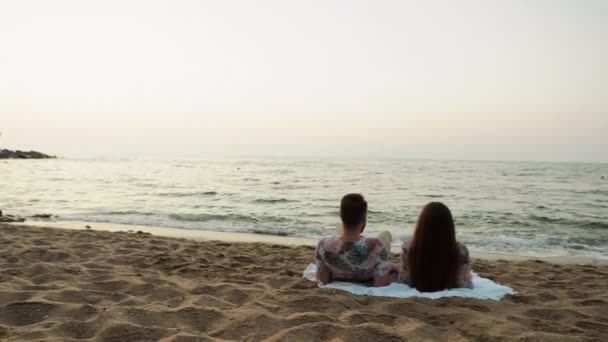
[[380, 281], [464, 272], [324, 276], [382, 272], [323, 273]]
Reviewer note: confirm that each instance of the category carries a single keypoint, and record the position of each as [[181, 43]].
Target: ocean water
[[535, 209]]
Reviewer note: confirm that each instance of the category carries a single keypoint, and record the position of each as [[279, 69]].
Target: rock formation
[[10, 218], [8, 154]]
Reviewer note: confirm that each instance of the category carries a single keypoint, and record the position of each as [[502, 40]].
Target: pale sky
[[502, 80]]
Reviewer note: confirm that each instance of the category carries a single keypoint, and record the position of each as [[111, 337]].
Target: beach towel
[[483, 289]]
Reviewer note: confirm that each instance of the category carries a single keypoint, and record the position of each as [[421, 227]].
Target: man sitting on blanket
[[350, 256]]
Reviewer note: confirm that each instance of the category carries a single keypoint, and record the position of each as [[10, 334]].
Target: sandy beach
[[61, 284]]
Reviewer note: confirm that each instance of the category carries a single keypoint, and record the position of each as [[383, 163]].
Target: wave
[[595, 225], [124, 212], [265, 219], [270, 232], [531, 246], [371, 211], [212, 217], [509, 220], [589, 224], [592, 192], [272, 200], [187, 194]]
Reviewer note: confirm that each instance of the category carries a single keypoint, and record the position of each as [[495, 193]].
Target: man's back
[[353, 260]]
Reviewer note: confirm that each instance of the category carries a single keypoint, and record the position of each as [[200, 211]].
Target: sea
[[523, 208]]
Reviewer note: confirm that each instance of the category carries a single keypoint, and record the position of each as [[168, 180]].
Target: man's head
[[353, 212]]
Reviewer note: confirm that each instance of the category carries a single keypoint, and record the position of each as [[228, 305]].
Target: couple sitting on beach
[[432, 261]]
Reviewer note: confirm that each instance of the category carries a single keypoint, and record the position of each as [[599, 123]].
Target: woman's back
[[433, 260], [463, 272]]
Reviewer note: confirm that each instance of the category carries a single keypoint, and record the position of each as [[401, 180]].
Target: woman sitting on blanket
[[433, 260], [350, 256]]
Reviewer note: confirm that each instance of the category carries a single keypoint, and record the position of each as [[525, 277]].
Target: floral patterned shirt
[[353, 260]]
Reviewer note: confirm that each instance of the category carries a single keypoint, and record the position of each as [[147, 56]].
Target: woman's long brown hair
[[433, 252]]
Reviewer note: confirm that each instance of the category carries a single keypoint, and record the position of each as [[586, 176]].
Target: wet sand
[[63, 284]]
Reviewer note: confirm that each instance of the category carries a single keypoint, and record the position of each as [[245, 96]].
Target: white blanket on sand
[[483, 289]]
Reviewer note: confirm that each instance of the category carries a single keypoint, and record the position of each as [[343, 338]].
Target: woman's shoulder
[[462, 247], [463, 252]]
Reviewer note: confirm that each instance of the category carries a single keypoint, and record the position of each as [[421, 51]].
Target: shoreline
[[241, 237]]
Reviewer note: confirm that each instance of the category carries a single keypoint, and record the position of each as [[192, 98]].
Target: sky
[[497, 80]]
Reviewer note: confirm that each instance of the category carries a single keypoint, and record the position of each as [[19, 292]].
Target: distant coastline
[[8, 154]]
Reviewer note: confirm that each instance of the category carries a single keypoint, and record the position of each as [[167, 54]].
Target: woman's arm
[[464, 277], [404, 273]]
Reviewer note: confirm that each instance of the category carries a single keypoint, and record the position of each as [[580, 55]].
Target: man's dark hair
[[353, 210]]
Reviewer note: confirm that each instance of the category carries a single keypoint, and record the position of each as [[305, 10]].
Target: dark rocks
[[42, 216], [8, 154], [10, 218]]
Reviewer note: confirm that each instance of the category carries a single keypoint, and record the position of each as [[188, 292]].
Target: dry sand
[[58, 284]]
